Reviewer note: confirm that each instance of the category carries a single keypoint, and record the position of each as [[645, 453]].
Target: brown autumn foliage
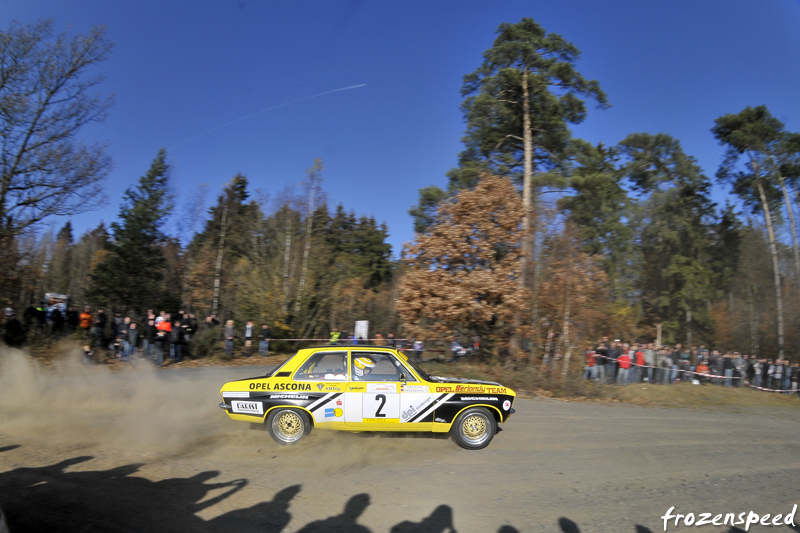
[[572, 297], [463, 276]]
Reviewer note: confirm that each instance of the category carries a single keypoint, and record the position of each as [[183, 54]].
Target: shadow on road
[[57, 498], [51, 498]]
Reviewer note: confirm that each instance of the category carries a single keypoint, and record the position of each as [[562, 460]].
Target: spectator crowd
[[615, 362], [155, 337]]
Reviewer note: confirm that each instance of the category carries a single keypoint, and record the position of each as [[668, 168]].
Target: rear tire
[[474, 428], [287, 425]]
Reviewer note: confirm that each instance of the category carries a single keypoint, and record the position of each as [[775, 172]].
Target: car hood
[[440, 379]]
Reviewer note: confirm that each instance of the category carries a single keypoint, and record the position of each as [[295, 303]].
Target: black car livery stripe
[[324, 401], [266, 396], [422, 414]]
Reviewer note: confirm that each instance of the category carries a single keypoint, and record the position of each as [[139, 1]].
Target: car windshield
[[421, 373], [324, 366], [277, 368]]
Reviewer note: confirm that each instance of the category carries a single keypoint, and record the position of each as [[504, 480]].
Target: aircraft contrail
[[264, 111]]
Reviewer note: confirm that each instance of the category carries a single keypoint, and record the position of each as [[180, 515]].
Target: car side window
[[323, 366], [387, 367]]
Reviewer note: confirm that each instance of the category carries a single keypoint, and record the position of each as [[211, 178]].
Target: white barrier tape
[[768, 390], [670, 369]]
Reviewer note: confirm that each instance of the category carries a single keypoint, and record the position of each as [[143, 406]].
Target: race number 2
[[382, 399], [381, 406]]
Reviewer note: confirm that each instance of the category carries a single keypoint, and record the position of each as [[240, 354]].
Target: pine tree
[[598, 210], [678, 217], [517, 106], [131, 274], [756, 134], [228, 237]]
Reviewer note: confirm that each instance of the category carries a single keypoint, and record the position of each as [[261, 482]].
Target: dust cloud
[[139, 409], [146, 412]]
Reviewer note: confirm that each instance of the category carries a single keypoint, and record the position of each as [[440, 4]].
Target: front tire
[[288, 426], [474, 428]]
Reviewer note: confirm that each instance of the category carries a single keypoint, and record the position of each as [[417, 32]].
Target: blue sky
[[228, 86]]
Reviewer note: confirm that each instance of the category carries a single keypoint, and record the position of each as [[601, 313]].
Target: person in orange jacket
[[704, 372]]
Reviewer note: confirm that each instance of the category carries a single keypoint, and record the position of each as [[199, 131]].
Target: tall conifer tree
[[131, 274], [755, 134]]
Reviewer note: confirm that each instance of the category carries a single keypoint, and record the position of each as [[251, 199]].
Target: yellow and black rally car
[[366, 388]]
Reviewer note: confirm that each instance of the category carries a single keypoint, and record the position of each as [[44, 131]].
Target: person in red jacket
[[588, 373], [624, 363]]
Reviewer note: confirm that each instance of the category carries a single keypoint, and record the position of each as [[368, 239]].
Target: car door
[[325, 372], [389, 398]]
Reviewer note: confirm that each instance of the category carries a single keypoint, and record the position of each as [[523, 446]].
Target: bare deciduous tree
[[46, 98]]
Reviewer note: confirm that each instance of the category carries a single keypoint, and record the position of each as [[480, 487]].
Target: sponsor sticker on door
[[413, 388], [381, 387], [249, 408]]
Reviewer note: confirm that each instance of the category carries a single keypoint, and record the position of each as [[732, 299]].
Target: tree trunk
[[547, 345], [307, 249], [689, 328], [773, 248], [753, 317], [787, 201], [550, 335], [218, 268], [535, 342], [567, 345], [286, 256], [186, 296], [527, 185]]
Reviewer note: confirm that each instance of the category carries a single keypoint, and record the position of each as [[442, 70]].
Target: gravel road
[[82, 449]]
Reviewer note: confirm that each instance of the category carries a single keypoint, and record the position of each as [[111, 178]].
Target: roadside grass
[[707, 396]]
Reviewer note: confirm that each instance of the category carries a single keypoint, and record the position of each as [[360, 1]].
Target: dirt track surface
[[82, 449]]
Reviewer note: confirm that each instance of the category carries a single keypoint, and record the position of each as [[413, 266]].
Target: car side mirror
[[403, 378]]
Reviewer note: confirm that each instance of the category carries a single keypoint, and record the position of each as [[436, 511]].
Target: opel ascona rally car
[[366, 388]]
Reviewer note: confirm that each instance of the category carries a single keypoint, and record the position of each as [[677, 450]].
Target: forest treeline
[[287, 263], [538, 243]]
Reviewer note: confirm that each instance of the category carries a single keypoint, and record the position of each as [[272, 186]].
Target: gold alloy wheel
[[474, 427], [288, 426]]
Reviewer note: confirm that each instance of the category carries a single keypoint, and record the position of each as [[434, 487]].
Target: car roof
[[321, 346]]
